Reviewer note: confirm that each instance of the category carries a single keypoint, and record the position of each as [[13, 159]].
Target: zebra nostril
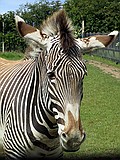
[[64, 135]]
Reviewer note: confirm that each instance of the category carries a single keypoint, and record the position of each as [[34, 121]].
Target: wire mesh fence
[[112, 52], [12, 43]]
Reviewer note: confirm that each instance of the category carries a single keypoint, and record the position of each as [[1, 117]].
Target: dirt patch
[[114, 71]]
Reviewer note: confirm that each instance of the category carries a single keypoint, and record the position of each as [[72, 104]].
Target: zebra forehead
[[68, 66], [72, 65]]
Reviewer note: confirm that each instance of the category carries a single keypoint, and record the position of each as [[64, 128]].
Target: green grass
[[11, 55], [100, 59], [100, 113]]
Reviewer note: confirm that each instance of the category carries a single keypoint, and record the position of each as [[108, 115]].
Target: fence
[[112, 52], [12, 43]]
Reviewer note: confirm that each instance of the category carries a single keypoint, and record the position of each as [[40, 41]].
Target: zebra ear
[[97, 41], [30, 33]]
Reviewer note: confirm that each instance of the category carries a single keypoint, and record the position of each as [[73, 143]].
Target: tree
[[99, 15], [9, 34], [35, 13]]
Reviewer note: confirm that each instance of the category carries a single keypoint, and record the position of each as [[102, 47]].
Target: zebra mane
[[59, 24]]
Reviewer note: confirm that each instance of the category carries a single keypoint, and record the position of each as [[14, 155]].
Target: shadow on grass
[[86, 157], [97, 157]]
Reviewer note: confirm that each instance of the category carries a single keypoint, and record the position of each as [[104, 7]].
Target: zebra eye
[[51, 75]]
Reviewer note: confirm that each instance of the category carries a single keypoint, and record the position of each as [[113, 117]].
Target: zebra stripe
[[40, 97], [25, 116]]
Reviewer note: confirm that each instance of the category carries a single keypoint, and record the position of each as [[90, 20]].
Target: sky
[[13, 5]]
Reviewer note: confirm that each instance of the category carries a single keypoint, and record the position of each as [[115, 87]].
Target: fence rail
[[112, 52], [12, 44]]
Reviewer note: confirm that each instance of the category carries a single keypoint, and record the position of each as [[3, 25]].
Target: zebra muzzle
[[71, 144]]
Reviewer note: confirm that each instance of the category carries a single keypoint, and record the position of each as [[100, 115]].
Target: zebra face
[[65, 70], [65, 75]]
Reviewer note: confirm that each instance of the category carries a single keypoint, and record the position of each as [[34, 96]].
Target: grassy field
[[100, 114], [11, 55], [100, 59]]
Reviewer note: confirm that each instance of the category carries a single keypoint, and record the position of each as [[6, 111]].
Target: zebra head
[[65, 70]]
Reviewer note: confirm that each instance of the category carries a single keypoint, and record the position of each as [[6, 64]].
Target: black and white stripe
[[38, 94], [25, 115], [62, 68]]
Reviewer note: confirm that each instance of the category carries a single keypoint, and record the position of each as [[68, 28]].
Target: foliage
[[9, 34], [99, 15], [33, 14]]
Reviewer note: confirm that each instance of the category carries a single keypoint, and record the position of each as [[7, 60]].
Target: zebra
[[40, 97]]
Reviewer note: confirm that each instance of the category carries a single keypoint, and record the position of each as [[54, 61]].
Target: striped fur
[[33, 101], [60, 24], [40, 98], [25, 117]]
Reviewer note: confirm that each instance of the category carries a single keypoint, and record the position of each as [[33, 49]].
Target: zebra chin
[[73, 144]]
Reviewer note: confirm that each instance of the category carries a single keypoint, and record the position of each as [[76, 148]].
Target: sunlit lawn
[[100, 112], [102, 60], [11, 55]]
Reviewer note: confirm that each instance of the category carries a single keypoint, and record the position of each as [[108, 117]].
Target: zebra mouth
[[72, 145]]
